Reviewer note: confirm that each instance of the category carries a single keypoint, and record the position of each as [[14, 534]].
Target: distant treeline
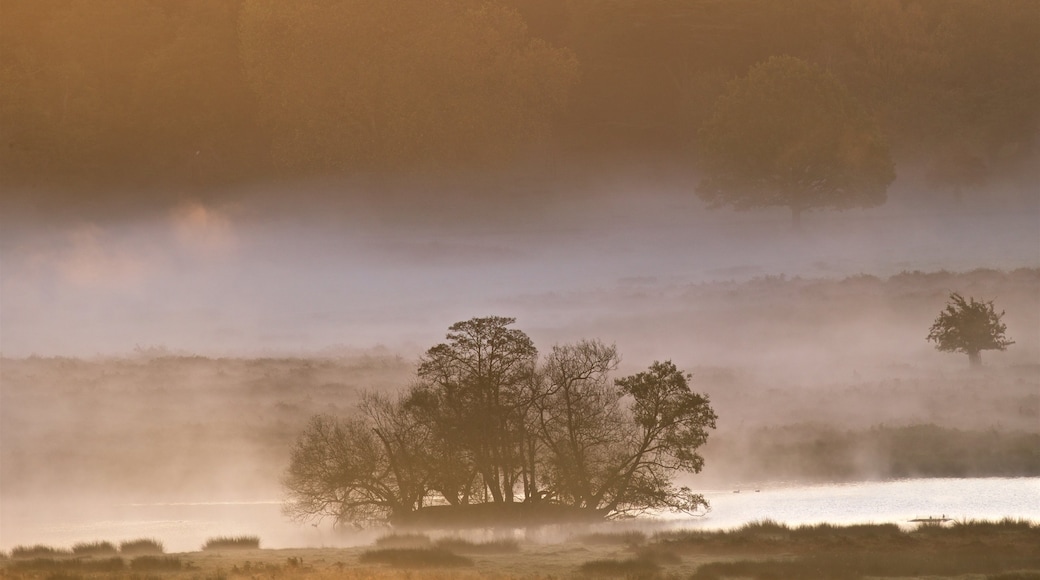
[[194, 94]]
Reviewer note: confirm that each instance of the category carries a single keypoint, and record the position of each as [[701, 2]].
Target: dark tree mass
[[488, 428], [790, 135], [970, 327], [106, 96]]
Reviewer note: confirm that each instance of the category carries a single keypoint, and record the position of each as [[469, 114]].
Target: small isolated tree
[[970, 327], [790, 135]]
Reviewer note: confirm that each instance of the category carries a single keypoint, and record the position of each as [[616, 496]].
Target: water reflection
[[186, 526]]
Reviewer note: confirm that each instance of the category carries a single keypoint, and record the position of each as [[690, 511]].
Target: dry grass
[[229, 543], [980, 550], [141, 547], [95, 549], [415, 558]]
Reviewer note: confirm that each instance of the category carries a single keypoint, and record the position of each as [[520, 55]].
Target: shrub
[[464, 546], [141, 546], [236, 543], [105, 565], [415, 558], [95, 549], [404, 541], [152, 563], [38, 551]]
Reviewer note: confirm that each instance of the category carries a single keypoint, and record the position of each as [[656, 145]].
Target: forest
[[103, 97]]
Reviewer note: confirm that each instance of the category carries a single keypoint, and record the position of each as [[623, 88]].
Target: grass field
[[1004, 550]]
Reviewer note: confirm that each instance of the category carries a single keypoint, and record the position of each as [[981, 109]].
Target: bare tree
[[579, 420], [339, 469]]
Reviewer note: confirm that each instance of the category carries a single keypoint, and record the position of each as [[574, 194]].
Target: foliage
[[789, 134], [95, 93], [969, 327], [472, 392], [486, 426], [421, 84]]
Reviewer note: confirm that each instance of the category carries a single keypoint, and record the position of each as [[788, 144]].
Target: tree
[[369, 468], [790, 135], [414, 85], [579, 421], [670, 423], [970, 327], [484, 419], [476, 387]]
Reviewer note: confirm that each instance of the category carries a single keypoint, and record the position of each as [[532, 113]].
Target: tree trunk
[[975, 359]]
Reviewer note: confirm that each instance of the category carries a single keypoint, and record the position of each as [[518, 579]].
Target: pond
[[186, 526]]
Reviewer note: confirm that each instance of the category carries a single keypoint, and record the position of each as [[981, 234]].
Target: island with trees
[[492, 433]]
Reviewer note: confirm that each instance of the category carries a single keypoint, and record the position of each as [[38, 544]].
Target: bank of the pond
[[184, 526]]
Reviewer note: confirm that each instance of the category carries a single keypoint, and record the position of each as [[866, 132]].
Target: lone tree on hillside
[[790, 135], [970, 327]]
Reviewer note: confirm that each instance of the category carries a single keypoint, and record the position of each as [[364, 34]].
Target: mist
[[213, 237], [173, 357], [234, 279]]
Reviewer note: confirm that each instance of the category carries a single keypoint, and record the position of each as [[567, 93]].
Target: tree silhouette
[[490, 431], [790, 135], [970, 327]]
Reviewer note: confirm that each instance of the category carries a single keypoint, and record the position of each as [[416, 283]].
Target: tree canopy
[[416, 84], [790, 135], [970, 327], [488, 424], [187, 95]]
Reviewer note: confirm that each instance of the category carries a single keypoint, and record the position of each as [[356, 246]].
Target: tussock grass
[[463, 546], [155, 563], [65, 565], [855, 565], [632, 568], [232, 543], [771, 537], [629, 538], [143, 546], [658, 554], [415, 558], [404, 541], [38, 551], [95, 549]]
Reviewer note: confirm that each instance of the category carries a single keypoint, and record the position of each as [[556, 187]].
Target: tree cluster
[[488, 422], [96, 93]]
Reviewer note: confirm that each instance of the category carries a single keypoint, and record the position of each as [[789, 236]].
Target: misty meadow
[[519, 289]]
